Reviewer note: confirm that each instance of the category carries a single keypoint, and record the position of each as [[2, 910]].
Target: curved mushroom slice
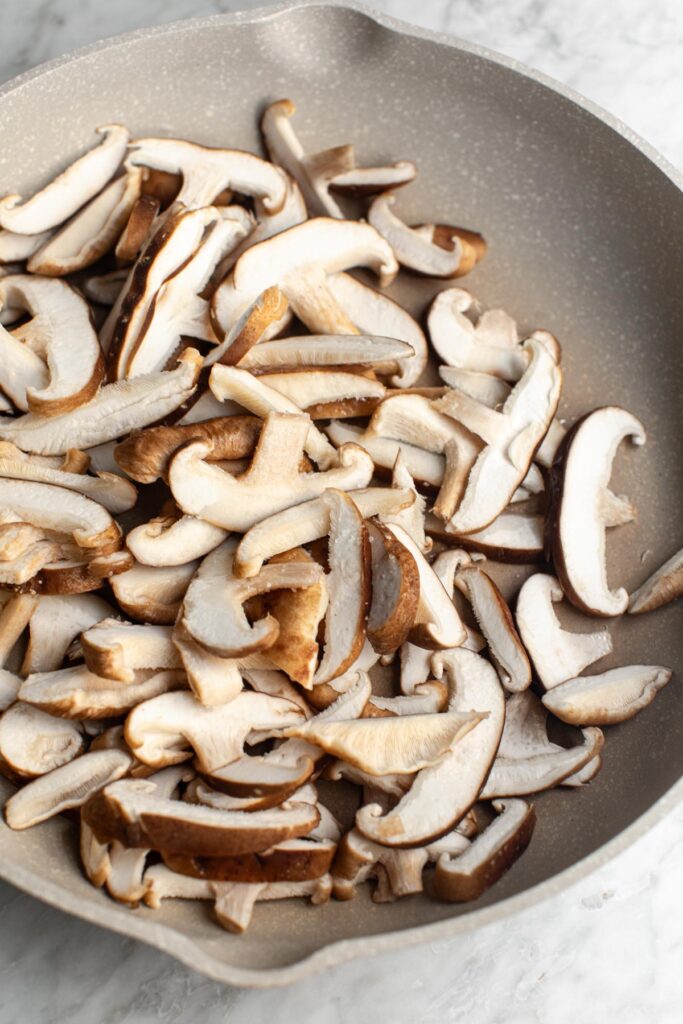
[[266, 317], [336, 392], [425, 467], [376, 314], [272, 483], [212, 679], [576, 520], [65, 787], [418, 249], [16, 248], [104, 289], [21, 370], [307, 522], [61, 333], [585, 774], [384, 355], [662, 587], [527, 761], [70, 190], [396, 744], [54, 624], [427, 698], [20, 570], [116, 410], [485, 388], [73, 576], [437, 625], [368, 181], [153, 594], [76, 693], [33, 743], [66, 512], [348, 587], [391, 785], [264, 678], [512, 537], [213, 609], [115, 650], [261, 782], [91, 233], [490, 855], [294, 860], [511, 436], [167, 541], [557, 653], [395, 590], [94, 856], [144, 455], [323, 695], [492, 346], [107, 489], [610, 697], [496, 623], [164, 730], [137, 229], [410, 517], [178, 309], [235, 902], [206, 172], [441, 795]]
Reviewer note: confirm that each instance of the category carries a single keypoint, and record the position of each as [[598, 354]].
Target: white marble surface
[[609, 949]]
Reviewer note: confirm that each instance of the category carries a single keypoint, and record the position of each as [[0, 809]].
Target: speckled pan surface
[[584, 226]]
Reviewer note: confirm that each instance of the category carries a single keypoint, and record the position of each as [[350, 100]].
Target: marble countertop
[[614, 941]]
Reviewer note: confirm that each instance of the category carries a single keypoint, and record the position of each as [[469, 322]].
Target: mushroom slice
[[437, 625], [54, 508], [496, 623], [467, 876], [178, 309], [144, 455], [21, 370], [20, 570], [9, 688], [16, 538], [416, 251], [104, 289], [115, 650], [273, 481], [662, 587], [74, 576], [308, 522], [137, 228], [54, 624], [235, 901], [76, 692], [167, 541], [348, 587], [409, 517], [212, 679], [395, 590], [391, 785], [153, 593], [65, 787], [60, 332], [511, 537], [491, 347], [527, 761], [511, 436], [265, 679], [427, 698], [235, 384], [294, 860], [16, 248], [374, 313], [576, 522], [206, 172], [266, 317], [441, 795], [388, 745], [213, 609], [485, 388], [557, 653], [384, 355], [107, 489], [91, 233], [70, 190], [163, 731], [114, 411], [368, 181], [33, 743], [308, 388], [610, 697]]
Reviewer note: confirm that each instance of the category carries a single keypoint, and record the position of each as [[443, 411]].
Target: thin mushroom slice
[[308, 522], [485, 388], [206, 172], [70, 190], [213, 609], [557, 653], [116, 650], [16, 248], [66, 512], [585, 774], [73, 576], [166, 729], [576, 522], [441, 795], [153, 593], [91, 233], [55, 623], [75, 692], [115, 410], [294, 860], [416, 251], [15, 615], [137, 228], [65, 787], [272, 483], [327, 389], [18, 571], [264, 318], [168, 541], [613, 696], [390, 785], [33, 743], [511, 436], [662, 587], [395, 590], [427, 698], [467, 876], [21, 370], [213, 680], [515, 537], [492, 346], [261, 785], [424, 467], [496, 623], [411, 517], [107, 489], [368, 181], [61, 333], [234, 902], [382, 354]]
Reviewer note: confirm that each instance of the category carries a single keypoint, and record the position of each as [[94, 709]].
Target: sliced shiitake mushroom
[[75, 692], [116, 650], [153, 593], [663, 586], [612, 696], [33, 743]]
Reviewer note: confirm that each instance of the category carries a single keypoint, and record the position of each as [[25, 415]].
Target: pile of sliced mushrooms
[[251, 513]]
